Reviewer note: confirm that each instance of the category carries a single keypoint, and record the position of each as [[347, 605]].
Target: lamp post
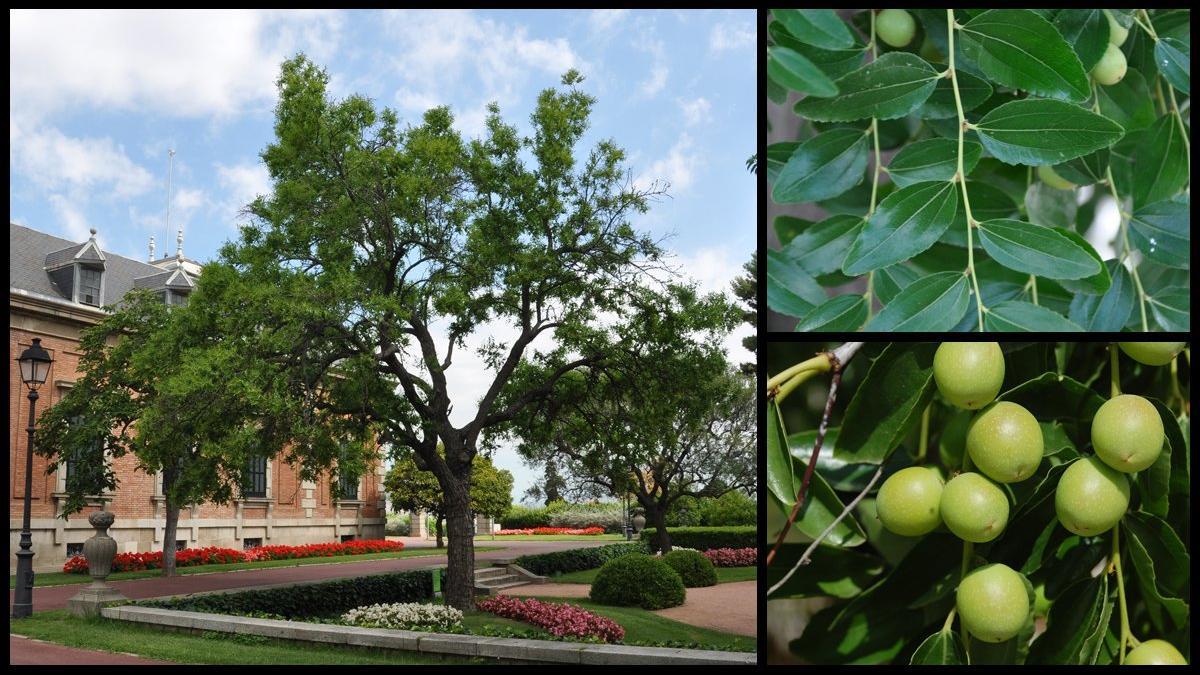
[[35, 365]]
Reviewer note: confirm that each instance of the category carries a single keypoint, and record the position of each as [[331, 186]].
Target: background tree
[[665, 417], [551, 489], [745, 289], [398, 244], [414, 490]]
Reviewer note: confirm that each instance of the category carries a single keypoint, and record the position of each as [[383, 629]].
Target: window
[[347, 537], [348, 487], [251, 542], [170, 297], [256, 478], [69, 465], [180, 544], [89, 286], [74, 550]]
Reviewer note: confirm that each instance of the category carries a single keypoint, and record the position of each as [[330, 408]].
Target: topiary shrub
[[576, 559], [704, 538], [695, 569], [638, 580]]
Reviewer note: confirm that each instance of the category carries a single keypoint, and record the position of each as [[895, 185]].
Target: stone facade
[[293, 512]]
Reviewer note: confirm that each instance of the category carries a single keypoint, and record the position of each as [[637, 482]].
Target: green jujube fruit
[[993, 602], [1005, 442], [1152, 353], [895, 27], [1127, 433], [909, 500], [969, 374], [1091, 497], [974, 508], [1155, 653]]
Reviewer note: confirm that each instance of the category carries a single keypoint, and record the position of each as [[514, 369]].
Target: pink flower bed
[[732, 557], [212, 555], [560, 619], [555, 530]]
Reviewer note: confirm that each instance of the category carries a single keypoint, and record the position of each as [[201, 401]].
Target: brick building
[[57, 288]]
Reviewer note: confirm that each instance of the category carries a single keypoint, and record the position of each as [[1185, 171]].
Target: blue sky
[[97, 98]]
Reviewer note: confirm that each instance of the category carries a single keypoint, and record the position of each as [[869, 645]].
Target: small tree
[[413, 489], [745, 289]]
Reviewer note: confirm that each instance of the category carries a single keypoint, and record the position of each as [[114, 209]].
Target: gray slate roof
[[27, 259]]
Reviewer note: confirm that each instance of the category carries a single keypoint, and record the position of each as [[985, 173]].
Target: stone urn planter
[[639, 521], [99, 551]]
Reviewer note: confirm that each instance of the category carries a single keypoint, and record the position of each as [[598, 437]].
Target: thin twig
[[804, 559], [837, 357]]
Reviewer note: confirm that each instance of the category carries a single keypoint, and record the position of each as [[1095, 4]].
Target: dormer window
[[89, 285], [171, 297]]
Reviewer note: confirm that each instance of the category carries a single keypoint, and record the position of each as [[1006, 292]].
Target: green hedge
[[704, 538], [319, 599], [576, 559]]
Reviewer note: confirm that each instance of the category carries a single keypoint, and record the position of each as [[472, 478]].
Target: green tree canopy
[[413, 489]]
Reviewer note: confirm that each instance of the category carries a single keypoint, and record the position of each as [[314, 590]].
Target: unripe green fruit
[[895, 27], [1155, 653], [909, 501], [1111, 67], [969, 374], [1127, 433], [953, 441], [1050, 177], [1005, 442], [974, 508], [1116, 32], [1091, 497], [1152, 353], [993, 602]]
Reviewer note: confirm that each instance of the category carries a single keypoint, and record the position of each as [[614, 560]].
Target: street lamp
[[35, 365]]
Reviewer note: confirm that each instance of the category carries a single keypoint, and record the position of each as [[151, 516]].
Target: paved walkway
[[729, 608], [23, 651], [55, 597]]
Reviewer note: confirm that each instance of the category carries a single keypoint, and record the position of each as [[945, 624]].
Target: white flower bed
[[405, 616]]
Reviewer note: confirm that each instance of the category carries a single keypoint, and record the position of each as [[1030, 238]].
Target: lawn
[[724, 575], [551, 537], [207, 648], [62, 578]]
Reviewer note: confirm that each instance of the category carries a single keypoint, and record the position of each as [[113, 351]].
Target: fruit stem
[[1115, 374], [1116, 554], [924, 435], [968, 551], [791, 384], [949, 620], [819, 363], [962, 175]]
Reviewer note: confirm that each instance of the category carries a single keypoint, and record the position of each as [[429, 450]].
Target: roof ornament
[[151, 248], [179, 245]]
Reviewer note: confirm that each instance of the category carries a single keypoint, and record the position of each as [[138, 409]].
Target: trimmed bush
[[638, 580], [695, 569], [704, 538], [576, 559], [524, 518], [307, 600]]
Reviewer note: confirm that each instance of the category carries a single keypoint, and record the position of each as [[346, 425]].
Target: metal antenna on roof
[[170, 170]]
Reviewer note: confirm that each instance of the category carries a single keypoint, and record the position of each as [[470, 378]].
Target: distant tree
[[551, 489], [745, 288], [412, 489]]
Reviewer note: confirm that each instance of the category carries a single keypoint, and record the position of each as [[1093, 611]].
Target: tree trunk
[[658, 517], [460, 576], [437, 527], [168, 559]]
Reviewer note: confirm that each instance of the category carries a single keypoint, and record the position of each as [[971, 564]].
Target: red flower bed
[[560, 619], [732, 557], [555, 530], [212, 555]]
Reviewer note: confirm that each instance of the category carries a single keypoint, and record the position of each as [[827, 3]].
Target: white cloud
[[71, 219], [695, 111], [731, 36], [241, 183], [54, 161], [657, 79], [194, 62], [604, 19], [677, 168]]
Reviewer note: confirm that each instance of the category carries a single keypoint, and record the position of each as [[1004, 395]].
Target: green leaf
[[934, 304], [1036, 250], [1049, 206], [840, 313], [824, 166], [1044, 131], [777, 156], [1179, 496], [1085, 170], [892, 86], [934, 159], [1162, 568], [1017, 315], [1086, 31], [1162, 163], [831, 572], [890, 280], [943, 648], [888, 403], [779, 459], [1128, 102], [907, 222], [1162, 232], [790, 290], [833, 62], [1054, 397], [821, 507], [988, 202], [1172, 308], [788, 228], [793, 70], [1108, 312], [842, 476], [1174, 58], [817, 27], [821, 248], [972, 90], [1073, 619], [1019, 49], [1097, 283]]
